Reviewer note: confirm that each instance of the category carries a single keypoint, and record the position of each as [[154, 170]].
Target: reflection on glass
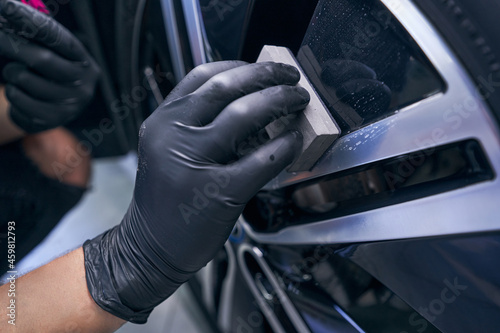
[[363, 62]]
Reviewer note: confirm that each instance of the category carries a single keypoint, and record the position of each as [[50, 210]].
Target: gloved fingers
[[256, 169], [39, 88], [338, 71], [250, 113], [199, 75], [34, 25], [40, 59], [225, 87], [31, 107]]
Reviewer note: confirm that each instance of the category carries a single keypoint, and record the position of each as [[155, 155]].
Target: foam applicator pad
[[315, 123]]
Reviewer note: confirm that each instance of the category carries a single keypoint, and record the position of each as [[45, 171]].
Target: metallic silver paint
[[195, 28], [173, 39]]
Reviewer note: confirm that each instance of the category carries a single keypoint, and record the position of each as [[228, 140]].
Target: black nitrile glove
[[52, 77], [191, 185]]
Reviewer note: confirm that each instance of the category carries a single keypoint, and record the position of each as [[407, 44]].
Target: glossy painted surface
[[195, 30], [454, 282]]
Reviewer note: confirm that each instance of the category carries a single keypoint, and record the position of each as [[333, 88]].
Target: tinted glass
[[363, 62]]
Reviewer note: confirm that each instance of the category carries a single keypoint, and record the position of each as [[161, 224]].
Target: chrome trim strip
[[226, 298], [192, 15], [206, 278], [261, 302], [458, 114], [173, 39]]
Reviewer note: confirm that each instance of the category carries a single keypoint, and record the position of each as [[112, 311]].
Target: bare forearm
[[8, 130], [54, 298]]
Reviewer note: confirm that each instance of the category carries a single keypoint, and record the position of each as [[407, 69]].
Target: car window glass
[[363, 63]]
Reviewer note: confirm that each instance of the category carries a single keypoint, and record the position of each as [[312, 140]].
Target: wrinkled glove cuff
[[101, 287]]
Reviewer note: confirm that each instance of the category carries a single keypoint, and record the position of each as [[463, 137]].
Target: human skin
[[60, 289]]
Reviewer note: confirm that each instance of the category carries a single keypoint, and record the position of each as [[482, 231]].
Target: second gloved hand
[[51, 78], [191, 184]]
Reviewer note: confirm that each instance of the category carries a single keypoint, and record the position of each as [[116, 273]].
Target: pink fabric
[[37, 4]]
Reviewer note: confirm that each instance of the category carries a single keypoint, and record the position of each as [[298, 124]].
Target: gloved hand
[[191, 185], [52, 77]]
